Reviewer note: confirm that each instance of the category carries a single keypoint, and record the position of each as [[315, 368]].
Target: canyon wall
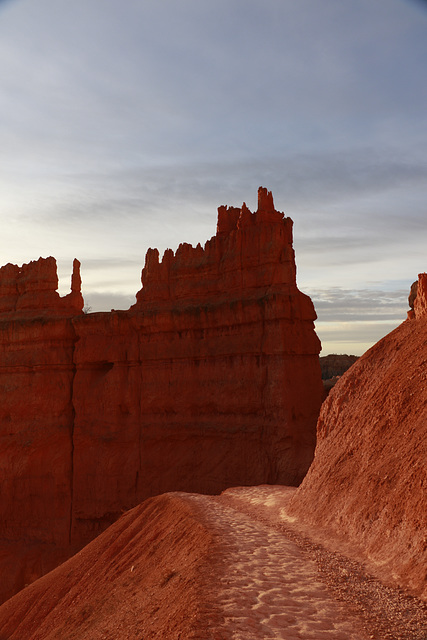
[[211, 380], [368, 480], [37, 340]]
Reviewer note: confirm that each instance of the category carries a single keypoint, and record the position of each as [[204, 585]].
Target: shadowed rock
[[210, 380]]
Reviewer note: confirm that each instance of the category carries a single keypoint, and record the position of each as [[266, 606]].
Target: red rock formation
[[36, 419], [31, 290], [210, 380], [368, 480], [420, 302]]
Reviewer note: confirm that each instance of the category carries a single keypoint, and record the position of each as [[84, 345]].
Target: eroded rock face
[[417, 298], [31, 290], [210, 380], [214, 373], [368, 480], [420, 302], [37, 341]]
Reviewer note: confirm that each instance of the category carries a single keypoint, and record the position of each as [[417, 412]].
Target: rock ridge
[[418, 298], [368, 481]]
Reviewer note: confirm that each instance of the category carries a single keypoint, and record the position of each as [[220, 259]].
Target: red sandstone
[[210, 380], [368, 480], [183, 565]]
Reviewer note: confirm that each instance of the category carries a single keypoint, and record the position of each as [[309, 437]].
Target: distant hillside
[[335, 365]]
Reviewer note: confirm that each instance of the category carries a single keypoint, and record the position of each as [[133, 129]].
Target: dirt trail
[[277, 583], [267, 588]]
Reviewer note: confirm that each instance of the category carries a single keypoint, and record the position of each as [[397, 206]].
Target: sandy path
[[386, 612], [272, 580], [266, 587]]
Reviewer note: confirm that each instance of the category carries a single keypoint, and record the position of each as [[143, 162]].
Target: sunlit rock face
[[368, 480], [420, 302], [211, 380]]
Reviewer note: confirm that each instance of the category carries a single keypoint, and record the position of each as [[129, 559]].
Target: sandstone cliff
[[37, 341], [210, 380], [368, 480], [30, 291]]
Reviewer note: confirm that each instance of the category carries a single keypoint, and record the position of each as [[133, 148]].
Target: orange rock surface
[[31, 291], [368, 480], [214, 373], [212, 379]]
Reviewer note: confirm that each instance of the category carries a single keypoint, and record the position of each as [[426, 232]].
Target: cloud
[[339, 305], [125, 125], [352, 337], [351, 321], [96, 302], [222, 82], [354, 211]]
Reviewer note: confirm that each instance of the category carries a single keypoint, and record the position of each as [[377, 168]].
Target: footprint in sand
[[267, 589]]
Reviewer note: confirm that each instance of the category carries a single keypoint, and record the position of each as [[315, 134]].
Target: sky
[[124, 125]]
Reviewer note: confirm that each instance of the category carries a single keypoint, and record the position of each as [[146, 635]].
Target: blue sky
[[124, 125]]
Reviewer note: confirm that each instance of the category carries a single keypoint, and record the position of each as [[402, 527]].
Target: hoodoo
[[211, 380]]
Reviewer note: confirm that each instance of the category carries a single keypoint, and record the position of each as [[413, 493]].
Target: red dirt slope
[[194, 567], [368, 481], [188, 567], [145, 568]]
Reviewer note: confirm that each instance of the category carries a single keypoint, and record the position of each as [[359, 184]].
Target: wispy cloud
[[125, 125], [340, 305]]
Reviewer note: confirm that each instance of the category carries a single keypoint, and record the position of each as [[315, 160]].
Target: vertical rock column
[[211, 380]]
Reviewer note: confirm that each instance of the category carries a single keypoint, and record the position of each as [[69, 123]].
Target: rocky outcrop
[[213, 372], [417, 299], [31, 291], [210, 380], [420, 302], [368, 480]]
